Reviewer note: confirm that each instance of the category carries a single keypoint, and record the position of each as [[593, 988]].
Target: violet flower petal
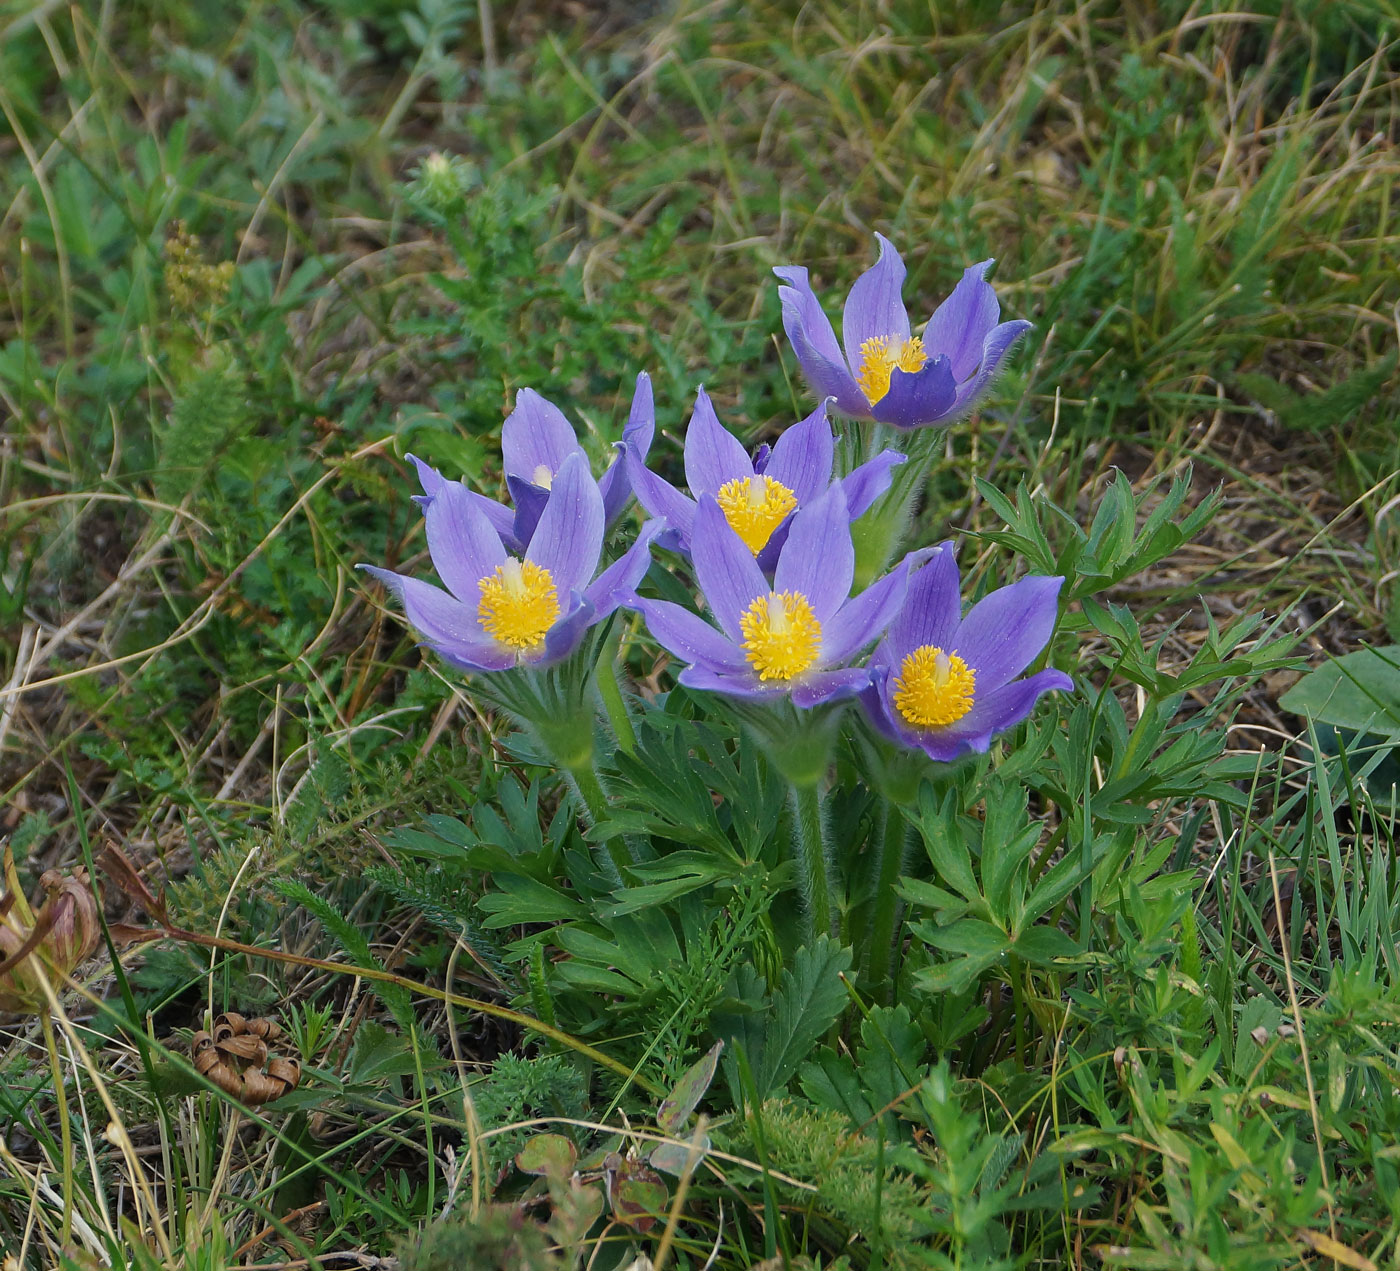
[[615, 483], [991, 714], [962, 321], [865, 484], [863, 618], [641, 418], [829, 686], [874, 306], [529, 500], [690, 638], [536, 436], [818, 558], [994, 348], [1005, 631], [801, 458], [932, 608], [814, 343], [429, 478], [660, 498], [918, 398], [732, 684], [463, 544], [501, 518], [713, 455], [873, 701], [616, 584], [450, 628], [569, 535], [724, 567], [564, 636]]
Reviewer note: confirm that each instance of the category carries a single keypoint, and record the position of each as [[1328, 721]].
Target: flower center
[[782, 635], [544, 478], [518, 604], [755, 507], [934, 688], [880, 355]]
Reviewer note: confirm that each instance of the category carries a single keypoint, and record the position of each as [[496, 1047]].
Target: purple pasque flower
[[887, 374], [791, 637], [535, 440], [947, 684], [503, 609], [757, 494]]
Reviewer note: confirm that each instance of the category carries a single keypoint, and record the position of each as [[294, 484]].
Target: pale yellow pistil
[[880, 356], [755, 507], [782, 636], [518, 604], [934, 688], [544, 478]]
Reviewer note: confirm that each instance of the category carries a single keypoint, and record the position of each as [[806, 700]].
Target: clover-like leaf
[[677, 1106], [548, 1155]]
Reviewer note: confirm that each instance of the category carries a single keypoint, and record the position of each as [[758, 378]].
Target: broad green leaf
[[970, 936], [1042, 945], [1360, 691], [677, 1106], [549, 1155], [674, 1157]]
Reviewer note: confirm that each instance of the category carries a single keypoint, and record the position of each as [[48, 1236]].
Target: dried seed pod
[[47, 944], [237, 1056]]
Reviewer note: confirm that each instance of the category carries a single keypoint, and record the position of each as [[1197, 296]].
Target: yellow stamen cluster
[[880, 356], [755, 507], [782, 636], [543, 477], [518, 605], [934, 688]]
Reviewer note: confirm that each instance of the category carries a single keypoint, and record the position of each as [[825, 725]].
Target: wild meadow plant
[[836, 790], [836, 723], [767, 541]]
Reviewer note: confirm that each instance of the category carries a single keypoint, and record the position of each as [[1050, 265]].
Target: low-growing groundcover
[[846, 814]]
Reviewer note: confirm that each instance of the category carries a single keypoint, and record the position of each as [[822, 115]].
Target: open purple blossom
[[947, 684], [536, 439], [504, 608], [791, 637], [757, 495], [885, 373]]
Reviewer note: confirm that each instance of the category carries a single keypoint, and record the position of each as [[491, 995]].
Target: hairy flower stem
[[65, 1130], [810, 824], [879, 951], [583, 777]]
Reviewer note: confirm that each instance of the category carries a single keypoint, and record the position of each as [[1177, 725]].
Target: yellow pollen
[[880, 356], [934, 688], [755, 507], [544, 477], [518, 604], [782, 636]]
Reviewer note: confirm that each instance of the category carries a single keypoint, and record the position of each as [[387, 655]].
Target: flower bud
[[48, 944], [442, 181]]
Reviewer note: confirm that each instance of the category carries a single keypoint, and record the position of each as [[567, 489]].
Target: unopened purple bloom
[[757, 495], [947, 684], [535, 440], [885, 373], [791, 637], [503, 608]]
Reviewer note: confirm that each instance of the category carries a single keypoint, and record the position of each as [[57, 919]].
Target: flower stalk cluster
[[781, 630]]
